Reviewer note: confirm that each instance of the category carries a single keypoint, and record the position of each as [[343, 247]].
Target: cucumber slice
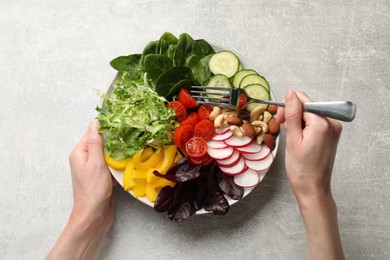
[[257, 91], [218, 80], [224, 62], [240, 75], [254, 79]]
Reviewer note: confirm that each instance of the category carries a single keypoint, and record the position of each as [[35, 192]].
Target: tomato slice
[[186, 99], [182, 134], [205, 129], [191, 119], [180, 110], [204, 160], [196, 147], [204, 112]]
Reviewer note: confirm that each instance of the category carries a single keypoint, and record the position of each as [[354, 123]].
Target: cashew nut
[[256, 112], [258, 130], [216, 111], [236, 131], [259, 138], [220, 121], [262, 124], [267, 117]]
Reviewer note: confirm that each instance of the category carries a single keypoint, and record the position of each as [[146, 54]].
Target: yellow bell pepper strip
[[139, 189], [177, 156], [167, 161], [138, 174], [146, 153], [128, 181], [153, 188], [150, 162], [119, 165]]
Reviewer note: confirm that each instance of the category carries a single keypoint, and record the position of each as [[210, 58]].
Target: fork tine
[[212, 88], [209, 94], [201, 98], [223, 105]]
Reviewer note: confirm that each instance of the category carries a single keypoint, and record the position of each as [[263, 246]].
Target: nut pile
[[259, 124]]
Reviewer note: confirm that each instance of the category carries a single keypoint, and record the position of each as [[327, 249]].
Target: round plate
[[118, 175]]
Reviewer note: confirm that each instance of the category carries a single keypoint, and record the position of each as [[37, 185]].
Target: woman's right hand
[[311, 145]]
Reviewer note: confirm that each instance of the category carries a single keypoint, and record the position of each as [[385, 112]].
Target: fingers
[[293, 115], [80, 152], [94, 143]]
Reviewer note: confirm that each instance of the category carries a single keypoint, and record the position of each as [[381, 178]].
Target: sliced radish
[[229, 161], [237, 168], [222, 137], [222, 130], [258, 156], [260, 165], [216, 144], [238, 142], [247, 179], [250, 149], [220, 154]]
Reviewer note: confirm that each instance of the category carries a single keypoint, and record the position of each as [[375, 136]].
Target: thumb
[[94, 143], [293, 115]]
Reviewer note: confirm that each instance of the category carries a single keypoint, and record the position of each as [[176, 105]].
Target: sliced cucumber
[[225, 63], [240, 75], [218, 80], [257, 91], [254, 79]]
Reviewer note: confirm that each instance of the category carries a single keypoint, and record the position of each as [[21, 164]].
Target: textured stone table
[[53, 54]]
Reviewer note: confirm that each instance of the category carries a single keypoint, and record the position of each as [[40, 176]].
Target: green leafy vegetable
[[133, 117], [130, 64]]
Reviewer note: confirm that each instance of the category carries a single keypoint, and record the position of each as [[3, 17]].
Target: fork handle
[[340, 110]]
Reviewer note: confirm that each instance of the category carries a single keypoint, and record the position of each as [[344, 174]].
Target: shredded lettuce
[[132, 117]]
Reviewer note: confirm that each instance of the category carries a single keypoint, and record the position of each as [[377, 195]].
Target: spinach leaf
[[169, 38], [149, 49], [199, 73], [183, 49], [130, 64], [202, 48], [171, 51], [185, 83], [169, 78], [157, 64]]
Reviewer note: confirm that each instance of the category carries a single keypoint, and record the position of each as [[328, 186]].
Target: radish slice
[[260, 165], [222, 130], [229, 161], [258, 156], [238, 168], [250, 149], [222, 137], [220, 154], [238, 142], [216, 144], [247, 179]]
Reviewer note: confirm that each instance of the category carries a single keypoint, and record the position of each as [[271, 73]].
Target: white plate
[[118, 175]]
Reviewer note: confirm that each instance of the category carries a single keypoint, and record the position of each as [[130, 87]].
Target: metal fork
[[237, 98]]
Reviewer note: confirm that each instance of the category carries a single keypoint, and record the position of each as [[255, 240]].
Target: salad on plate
[[170, 152]]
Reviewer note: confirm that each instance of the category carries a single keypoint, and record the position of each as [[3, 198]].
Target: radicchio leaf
[[217, 203], [229, 187], [165, 199], [183, 206], [182, 170], [185, 210]]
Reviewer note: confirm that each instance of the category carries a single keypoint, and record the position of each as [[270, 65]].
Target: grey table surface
[[53, 54]]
